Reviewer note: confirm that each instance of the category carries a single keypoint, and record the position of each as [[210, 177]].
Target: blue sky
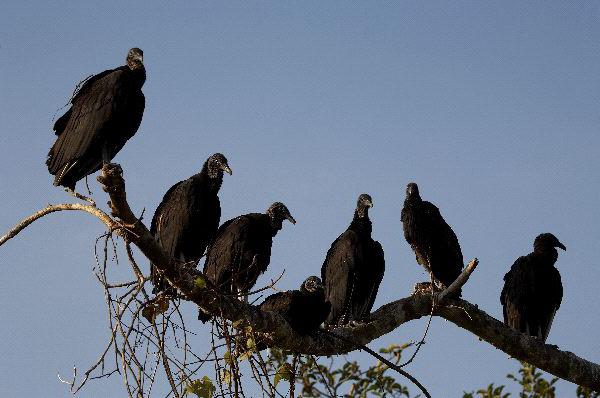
[[491, 108]]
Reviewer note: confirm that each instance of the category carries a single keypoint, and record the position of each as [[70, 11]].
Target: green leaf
[[200, 282], [237, 323], [251, 344], [203, 388], [283, 373], [245, 355], [225, 376], [227, 358]]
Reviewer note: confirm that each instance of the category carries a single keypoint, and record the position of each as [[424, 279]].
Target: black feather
[[435, 245], [241, 251], [352, 270], [104, 114], [304, 310], [533, 290], [187, 219]]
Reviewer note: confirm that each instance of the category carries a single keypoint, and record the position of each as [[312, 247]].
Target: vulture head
[[135, 58], [547, 242], [363, 204], [412, 191], [312, 285], [216, 165], [279, 212]]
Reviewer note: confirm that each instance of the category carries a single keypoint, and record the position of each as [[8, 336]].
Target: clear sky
[[491, 108]]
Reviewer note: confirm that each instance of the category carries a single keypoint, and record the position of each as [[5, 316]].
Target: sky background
[[491, 108]]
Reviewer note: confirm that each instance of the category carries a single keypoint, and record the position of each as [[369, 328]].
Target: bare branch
[[562, 364], [464, 314], [102, 216], [460, 281]]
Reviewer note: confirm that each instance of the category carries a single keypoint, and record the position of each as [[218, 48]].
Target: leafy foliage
[[489, 392], [583, 392], [203, 388], [533, 384], [339, 377], [200, 282], [349, 380], [284, 372]]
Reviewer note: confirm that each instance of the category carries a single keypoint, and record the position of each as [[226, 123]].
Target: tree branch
[[562, 364], [102, 216]]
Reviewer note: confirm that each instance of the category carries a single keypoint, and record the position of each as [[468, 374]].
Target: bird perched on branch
[[305, 309], [188, 217], [431, 238], [241, 251], [105, 112], [353, 269], [533, 289]]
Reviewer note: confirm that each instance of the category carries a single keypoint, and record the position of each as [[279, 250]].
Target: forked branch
[[562, 364]]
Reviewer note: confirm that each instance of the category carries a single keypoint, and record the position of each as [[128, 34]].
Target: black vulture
[[533, 290], [105, 112], [305, 309], [353, 269], [431, 238], [187, 218], [241, 250]]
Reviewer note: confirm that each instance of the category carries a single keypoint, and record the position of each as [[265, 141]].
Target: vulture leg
[[80, 196], [87, 186], [105, 155]]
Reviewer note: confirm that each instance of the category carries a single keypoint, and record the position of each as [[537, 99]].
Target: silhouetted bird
[[188, 217], [431, 238], [353, 269], [305, 309], [105, 112], [533, 290], [241, 250]]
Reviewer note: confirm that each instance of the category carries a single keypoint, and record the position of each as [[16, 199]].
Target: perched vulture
[[106, 112], [533, 290], [353, 269], [305, 309], [187, 218], [241, 250], [431, 238]]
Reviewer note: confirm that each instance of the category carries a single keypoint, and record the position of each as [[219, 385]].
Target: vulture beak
[[227, 170], [291, 219], [561, 246]]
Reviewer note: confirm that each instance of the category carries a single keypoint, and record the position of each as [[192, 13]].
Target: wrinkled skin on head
[[218, 164], [312, 285], [135, 58]]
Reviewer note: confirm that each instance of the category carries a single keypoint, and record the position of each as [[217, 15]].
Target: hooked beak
[[139, 58], [290, 218], [561, 246], [227, 170], [370, 203]]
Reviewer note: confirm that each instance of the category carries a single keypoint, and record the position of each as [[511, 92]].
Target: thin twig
[[384, 360]]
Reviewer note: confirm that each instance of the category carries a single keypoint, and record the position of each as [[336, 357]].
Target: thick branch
[[562, 364]]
